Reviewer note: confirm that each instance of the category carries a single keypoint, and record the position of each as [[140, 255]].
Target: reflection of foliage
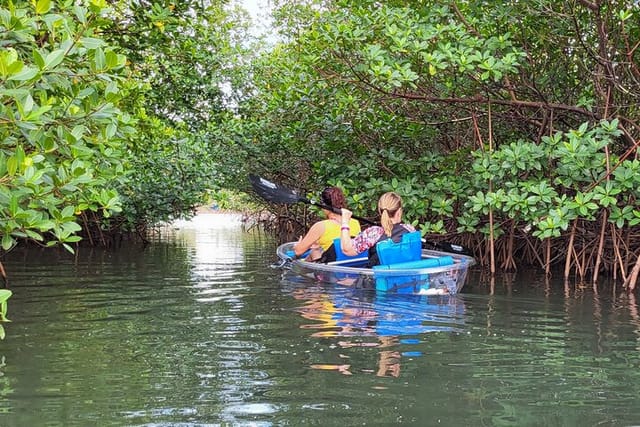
[[4, 296]]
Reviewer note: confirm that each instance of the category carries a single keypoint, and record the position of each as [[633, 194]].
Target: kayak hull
[[437, 272]]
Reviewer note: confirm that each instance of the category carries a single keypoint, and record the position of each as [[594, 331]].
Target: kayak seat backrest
[[407, 249], [341, 256]]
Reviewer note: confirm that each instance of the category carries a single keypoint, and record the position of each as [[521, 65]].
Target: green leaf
[[12, 165], [35, 114], [5, 294], [34, 235], [13, 205], [71, 227], [112, 59], [54, 58], [45, 225], [92, 42], [8, 57], [7, 242], [27, 73], [68, 212], [43, 6], [112, 88], [38, 59], [99, 59]]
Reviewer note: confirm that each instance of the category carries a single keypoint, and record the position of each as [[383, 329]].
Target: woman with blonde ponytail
[[390, 211]]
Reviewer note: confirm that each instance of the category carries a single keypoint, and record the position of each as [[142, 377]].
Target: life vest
[[396, 235]]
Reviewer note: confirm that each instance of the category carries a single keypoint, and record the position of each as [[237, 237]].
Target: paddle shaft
[[336, 210]]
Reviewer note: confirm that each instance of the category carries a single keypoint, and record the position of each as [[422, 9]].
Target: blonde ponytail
[[388, 205], [385, 221]]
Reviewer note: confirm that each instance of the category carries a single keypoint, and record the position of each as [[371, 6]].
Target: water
[[199, 330]]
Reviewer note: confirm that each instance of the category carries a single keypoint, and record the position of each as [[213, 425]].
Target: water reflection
[[208, 244], [199, 330], [362, 318], [635, 317]]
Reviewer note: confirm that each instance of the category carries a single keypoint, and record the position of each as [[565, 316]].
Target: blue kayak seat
[[407, 249], [405, 255], [291, 254], [349, 260], [422, 263]]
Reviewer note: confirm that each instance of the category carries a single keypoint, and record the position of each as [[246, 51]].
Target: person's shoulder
[[409, 227], [320, 225]]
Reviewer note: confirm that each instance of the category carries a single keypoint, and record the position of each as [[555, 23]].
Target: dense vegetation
[[107, 114], [511, 127]]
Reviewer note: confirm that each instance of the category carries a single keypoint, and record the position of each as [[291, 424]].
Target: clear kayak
[[436, 273]]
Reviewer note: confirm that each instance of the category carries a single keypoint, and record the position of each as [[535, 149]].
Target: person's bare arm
[[309, 239], [345, 238]]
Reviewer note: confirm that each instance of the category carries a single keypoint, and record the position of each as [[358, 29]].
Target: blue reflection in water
[[418, 314], [364, 318]]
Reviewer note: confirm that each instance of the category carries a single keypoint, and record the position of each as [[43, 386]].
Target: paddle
[[275, 193], [449, 247]]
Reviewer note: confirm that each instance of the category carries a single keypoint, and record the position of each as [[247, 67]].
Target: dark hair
[[333, 197]]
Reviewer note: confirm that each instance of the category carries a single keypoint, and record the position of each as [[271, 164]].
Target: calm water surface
[[199, 330]]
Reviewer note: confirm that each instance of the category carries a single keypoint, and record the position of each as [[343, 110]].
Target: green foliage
[[463, 109], [548, 197], [5, 294], [188, 54], [187, 70], [83, 130], [233, 201], [61, 133], [165, 184], [342, 83]]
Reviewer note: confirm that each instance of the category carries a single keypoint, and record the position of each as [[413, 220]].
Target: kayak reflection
[[352, 318]]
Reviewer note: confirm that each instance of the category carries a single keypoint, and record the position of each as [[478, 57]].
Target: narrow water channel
[[198, 329]]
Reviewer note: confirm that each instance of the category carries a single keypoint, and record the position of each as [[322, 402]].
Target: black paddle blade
[[453, 248], [449, 247], [272, 192]]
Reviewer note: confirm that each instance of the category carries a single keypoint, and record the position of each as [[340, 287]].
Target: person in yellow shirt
[[322, 234]]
